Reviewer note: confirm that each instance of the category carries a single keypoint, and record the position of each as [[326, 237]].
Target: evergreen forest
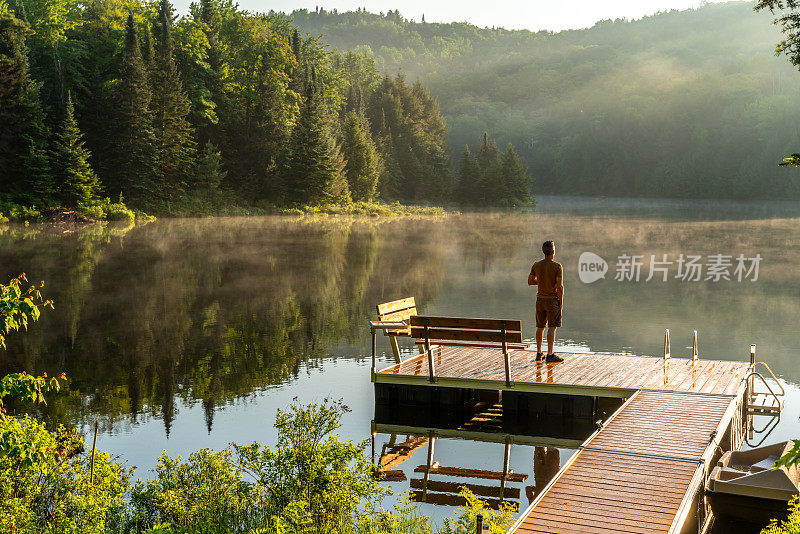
[[125, 101]]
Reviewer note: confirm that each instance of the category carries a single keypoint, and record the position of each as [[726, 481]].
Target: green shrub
[[105, 210], [205, 493], [46, 482], [791, 525], [24, 214]]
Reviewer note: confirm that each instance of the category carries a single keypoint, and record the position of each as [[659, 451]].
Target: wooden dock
[[641, 472]]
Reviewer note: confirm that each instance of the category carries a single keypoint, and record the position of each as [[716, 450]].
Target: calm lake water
[[191, 333]]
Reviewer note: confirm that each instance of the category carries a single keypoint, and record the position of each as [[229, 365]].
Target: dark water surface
[[191, 333]]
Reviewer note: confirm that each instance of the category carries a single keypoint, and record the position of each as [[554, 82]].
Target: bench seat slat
[[466, 335]]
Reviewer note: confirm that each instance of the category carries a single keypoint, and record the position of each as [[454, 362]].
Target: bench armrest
[[387, 325]]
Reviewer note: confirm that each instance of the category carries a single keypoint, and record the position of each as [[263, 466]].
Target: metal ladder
[[768, 402]]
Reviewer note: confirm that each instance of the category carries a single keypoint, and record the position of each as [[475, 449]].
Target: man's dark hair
[[548, 247]]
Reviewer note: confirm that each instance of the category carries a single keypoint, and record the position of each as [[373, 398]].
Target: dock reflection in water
[[537, 429]]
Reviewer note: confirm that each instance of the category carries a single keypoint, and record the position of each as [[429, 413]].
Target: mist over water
[[191, 333]]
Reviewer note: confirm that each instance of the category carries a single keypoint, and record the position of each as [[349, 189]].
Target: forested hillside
[[680, 104], [208, 112]]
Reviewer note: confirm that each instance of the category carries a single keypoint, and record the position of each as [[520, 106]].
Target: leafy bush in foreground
[[792, 523]]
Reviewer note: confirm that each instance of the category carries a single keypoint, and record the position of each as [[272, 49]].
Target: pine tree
[[77, 183], [148, 52], [363, 167], [514, 179], [24, 163], [468, 175], [489, 188], [210, 173], [175, 145], [208, 130], [134, 158], [315, 167]]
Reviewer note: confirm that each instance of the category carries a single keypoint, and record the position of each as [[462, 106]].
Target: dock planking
[[580, 373], [640, 472]]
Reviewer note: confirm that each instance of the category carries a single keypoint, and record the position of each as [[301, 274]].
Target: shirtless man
[[549, 276]]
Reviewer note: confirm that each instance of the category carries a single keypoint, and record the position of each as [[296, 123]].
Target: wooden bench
[[504, 334]]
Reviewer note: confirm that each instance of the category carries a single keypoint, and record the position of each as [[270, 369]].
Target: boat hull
[[747, 509]]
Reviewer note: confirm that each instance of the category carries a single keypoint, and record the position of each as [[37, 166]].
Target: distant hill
[[680, 104]]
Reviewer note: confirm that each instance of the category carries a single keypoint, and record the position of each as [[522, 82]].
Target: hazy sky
[[530, 14]]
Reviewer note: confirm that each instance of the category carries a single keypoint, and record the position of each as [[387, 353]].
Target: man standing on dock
[[549, 276]]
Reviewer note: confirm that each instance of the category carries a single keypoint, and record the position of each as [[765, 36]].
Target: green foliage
[[19, 306], [680, 104], [789, 21], [791, 525], [315, 168], [27, 389], [793, 161], [370, 209], [206, 492], [465, 522], [105, 210], [404, 518], [790, 458], [46, 482], [363, 164], [133, 145], [77, 182], [210, 173], [151, 90], [24, 162], [24, 214], [48, 485], [322, 479], [174, 140], [412, 132], [493, 179]]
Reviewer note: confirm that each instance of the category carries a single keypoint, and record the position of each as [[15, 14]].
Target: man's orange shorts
[[548, 312]]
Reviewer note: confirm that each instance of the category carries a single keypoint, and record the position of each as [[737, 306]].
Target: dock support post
[[694, 347], [506, 467], [374, 349], [506, 359], [429, 465], [479, 523], [431, 370]]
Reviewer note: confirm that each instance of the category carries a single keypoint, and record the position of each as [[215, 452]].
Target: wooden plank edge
[[498, 385], [473, 435]]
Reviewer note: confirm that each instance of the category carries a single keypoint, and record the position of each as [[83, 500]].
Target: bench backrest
[[466, 329], [397, 310]]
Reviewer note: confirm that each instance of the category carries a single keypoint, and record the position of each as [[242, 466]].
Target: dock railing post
[[479, 523], [751, 384], [506, 359], [431, 370], [694, 347]]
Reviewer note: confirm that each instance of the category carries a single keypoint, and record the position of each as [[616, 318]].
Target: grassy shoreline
[[107, 211]]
